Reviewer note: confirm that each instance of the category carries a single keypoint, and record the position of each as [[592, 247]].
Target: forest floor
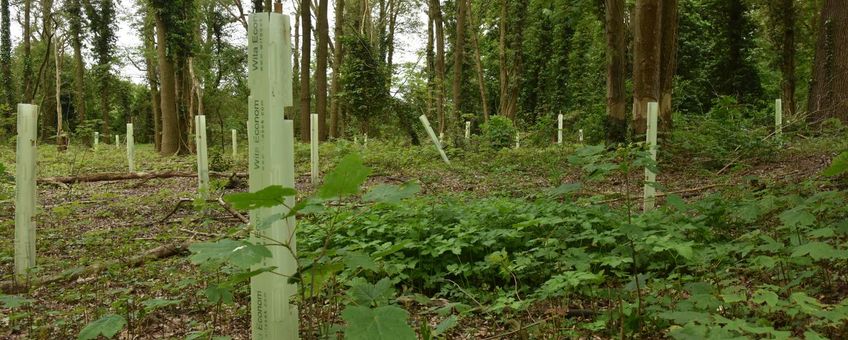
[[108, 223]]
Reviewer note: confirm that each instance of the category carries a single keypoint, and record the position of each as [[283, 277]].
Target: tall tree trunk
[[305, 56], [787, 57], [646, 63], [321, 68], [431, 63], [6, 57], [478, 63], [511, 38], [152, 79], [616, 69], [60, 136], [436, 13], [171, 140], [502, 64], [458, 61], [27, 72], [829, 89], [335, 106], [75, 31], [668, 65]]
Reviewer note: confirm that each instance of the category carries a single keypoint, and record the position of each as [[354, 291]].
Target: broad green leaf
[[239, 253], [838, 166], [345, 179], [390, 193], [355, 260], [367, 294], [797, 217], [271, 196], [765, 296], [154, 304], [806, 303], [107, 326], [683, 317], [816, 250], [391, 250], [445, 325], [315, 278], [564, 189], [14, 301], [219, 294], [381, 323], [812, 335]]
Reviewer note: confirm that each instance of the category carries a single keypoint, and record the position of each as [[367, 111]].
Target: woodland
[[462, 169]]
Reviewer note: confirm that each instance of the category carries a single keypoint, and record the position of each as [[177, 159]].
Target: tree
[[458, 60], [484, 97], [171, 141], [828, 96], [616, 69], [74, 10], [338, 53], [435, 11], [321, 69], [148, 35], [306, 44], [27, 72], [8, 95], [512, 19], [654, 53], [101, 15]]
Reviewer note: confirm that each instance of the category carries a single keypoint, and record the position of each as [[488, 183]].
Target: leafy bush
[[499, 132]]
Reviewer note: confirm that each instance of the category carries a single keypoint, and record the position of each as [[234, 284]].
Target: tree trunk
[[646, 63], [502, 64], [27, 72], [171, 141], [668, 65], [829, 89], [458, 60], [431, 63], [321, 69], [393, 14], [484, 98], [75, 30], [787, 58], [616, 72], [6, 57], [436, 12], [335, 106], [60, 137], [305, 57], [152, 79]]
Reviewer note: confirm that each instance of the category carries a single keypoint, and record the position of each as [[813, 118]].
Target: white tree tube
[[426, 122], [26, 155], [130, 148], [651, 140], [202, 156], [313, 139]]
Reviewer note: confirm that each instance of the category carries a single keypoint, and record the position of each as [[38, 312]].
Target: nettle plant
[[323, 268]]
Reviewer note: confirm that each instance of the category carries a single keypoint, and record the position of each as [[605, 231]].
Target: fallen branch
[[157, 253], [123, 176], [663, 194]]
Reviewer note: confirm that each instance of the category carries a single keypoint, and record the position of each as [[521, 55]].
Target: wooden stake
[[130, 148], [271, 162], [651, 141], [559, 129], [202, 155], [235, 143], [26, 155], [426, 122], [313, 138]]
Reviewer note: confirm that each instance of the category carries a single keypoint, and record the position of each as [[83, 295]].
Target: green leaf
[[154, 304], [838, 166], [14, 301], [797, 217], [271, 196], [345, 179], [445, 325], [239, 253], [367, 294], [767, 296], [382, 323], [107, 326], [218, 293], [389, 193], [564, 189], [355, 260], [816, 250]]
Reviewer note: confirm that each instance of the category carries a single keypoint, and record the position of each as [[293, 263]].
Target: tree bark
[[484, 98], [828, 96], [60, 136], [171, 141], [75, 30], [27, 72], [668, 65], [458, 61], [335, 106], [152, 79], [647, 59], [6, 56], [321, 69], [305, 57], [436, 14], [787, 62], [616, 72]]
